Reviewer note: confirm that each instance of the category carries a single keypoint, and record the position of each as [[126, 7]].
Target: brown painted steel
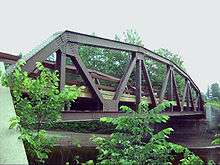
[[88, 115], [124, 79], [149, 85], [80, 38], [191, 98], [187, 97], [176, 91], [111, 44], [63, 42], [138, 82], [42, 54], [8, 58], [201, 103], [94, 73], [61, 66], [184, 94], [164, 87], [85, 74], [170, 93]]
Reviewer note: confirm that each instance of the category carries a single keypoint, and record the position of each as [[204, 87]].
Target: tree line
[[213, 92]]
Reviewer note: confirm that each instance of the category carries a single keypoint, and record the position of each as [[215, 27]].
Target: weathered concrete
[[11, 148]]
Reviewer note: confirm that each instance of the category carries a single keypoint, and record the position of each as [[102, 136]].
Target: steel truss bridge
[[98, 100]]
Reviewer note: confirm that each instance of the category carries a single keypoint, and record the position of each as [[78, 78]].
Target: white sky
[[190, 28]]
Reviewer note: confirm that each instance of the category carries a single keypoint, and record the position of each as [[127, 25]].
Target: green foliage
[[131, 36], [37, 101], [190, 159], [211, 162], [37, 144], [175, 58], [136, 142], [157, 70], [115, 62], [214, 91], [216, 140], [82, 126], [213, 102], [90, 162]]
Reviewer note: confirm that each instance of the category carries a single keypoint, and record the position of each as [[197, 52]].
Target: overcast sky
[[190, 28]]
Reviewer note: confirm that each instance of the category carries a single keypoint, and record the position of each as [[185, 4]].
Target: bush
[[136, 142], [94, 126], [37, 101]]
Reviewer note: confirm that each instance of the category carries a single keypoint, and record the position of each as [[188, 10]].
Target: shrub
[[136, 142], [37, 101]]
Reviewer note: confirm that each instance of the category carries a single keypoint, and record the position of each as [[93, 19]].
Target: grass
[[214, 103]]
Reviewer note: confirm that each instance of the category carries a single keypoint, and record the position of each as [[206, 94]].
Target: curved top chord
[[67, 42], [59, 39]]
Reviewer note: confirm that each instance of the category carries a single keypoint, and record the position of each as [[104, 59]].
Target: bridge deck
[[88, 115], [110, 94]]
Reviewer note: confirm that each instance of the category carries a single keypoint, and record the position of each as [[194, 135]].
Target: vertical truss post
[[170, 83], [184, 94], [170, 89], [176, 91], [163, 91], [149, 85], [61, 66], [191, 98], [201, 103], [187, 96], [197, 101], [138, 82]]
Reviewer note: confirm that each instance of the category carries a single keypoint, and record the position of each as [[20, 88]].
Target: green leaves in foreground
[[14, 122], [37, 101], [216, 140], [135, 141]]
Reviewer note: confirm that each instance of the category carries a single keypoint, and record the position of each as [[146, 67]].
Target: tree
[[131, 36], [114, 62], [108, 61], [157, 70], [208, 93], [215, 91]]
